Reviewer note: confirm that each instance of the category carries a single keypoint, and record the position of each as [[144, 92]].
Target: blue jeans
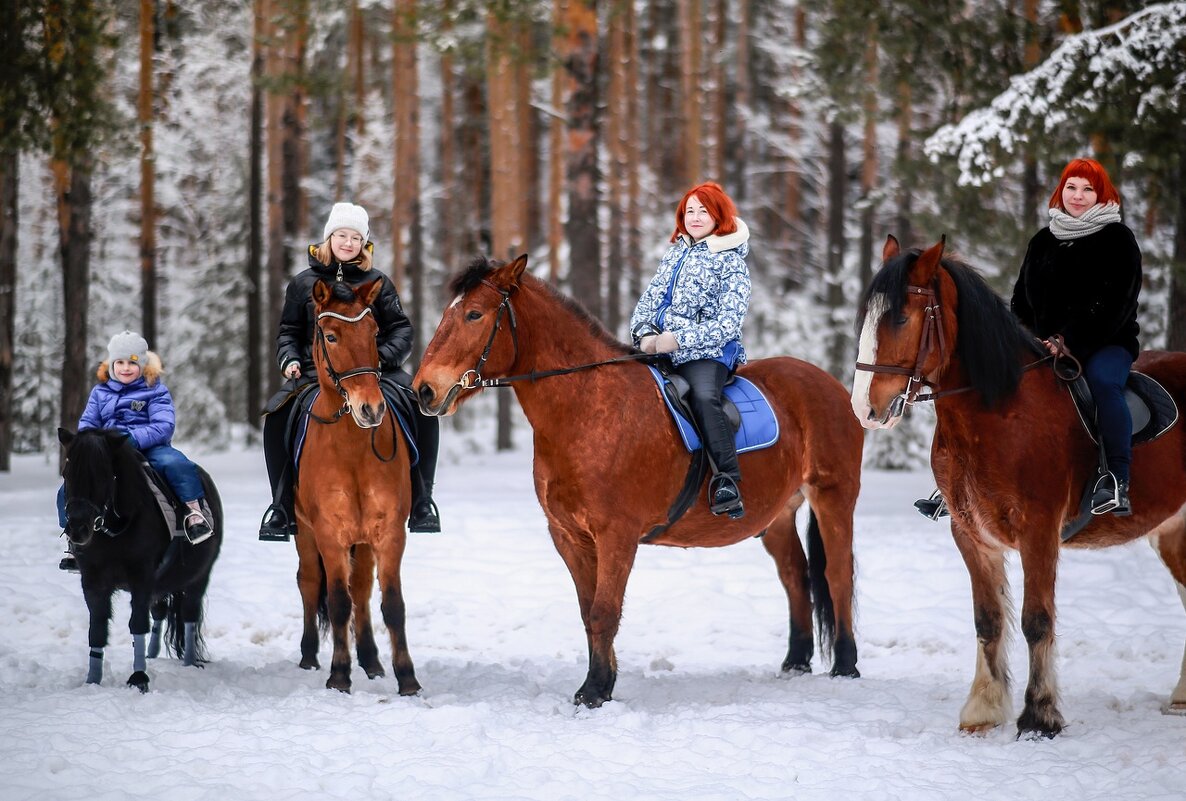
[[1106, 372], [180, 472]]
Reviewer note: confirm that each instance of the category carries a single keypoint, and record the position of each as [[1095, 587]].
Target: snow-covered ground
[[700, 711]]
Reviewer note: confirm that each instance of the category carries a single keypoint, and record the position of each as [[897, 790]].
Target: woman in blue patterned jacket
[[693, 310]]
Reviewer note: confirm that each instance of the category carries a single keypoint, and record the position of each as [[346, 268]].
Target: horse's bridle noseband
[[932, 335], [338, 377], [472, 379]]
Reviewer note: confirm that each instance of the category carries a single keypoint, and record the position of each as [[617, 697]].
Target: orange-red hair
[[1095, 173], [719, 205]]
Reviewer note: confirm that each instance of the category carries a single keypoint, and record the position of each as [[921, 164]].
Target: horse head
[[95, 474], [906, 334], [345, 348], [477, 336]]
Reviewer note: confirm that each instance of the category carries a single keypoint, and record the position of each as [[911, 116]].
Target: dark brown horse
[[1010, 458], [608, 463], [354, 493]]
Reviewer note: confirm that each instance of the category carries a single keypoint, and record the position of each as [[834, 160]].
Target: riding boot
[[933, 507], [279, 521], [725, 497], [425, 517], [1111, 495]]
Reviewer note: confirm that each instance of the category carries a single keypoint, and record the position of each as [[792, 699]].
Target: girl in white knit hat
[[344, 254]]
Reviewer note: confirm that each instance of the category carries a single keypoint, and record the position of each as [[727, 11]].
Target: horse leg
[[1039, 562], [988, 704], [190, 601], [829, 541], [392, 607], [781, 541], [159, 610], [580, 555], [1169, 541], [138, 626], [337, 575], [362, 582], [98, 603], [311, 583]]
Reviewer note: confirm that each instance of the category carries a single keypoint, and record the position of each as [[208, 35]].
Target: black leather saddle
[[1152, 408]]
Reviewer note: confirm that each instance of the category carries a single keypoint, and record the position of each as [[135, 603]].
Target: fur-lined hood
[[151, 371]]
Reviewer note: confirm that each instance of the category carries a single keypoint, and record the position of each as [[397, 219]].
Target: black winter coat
[[295, 339], [1085, 289]]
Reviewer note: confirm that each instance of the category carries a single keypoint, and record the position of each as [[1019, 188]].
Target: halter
[[338, 377], [472, 379], [932, 334], [99, 516]]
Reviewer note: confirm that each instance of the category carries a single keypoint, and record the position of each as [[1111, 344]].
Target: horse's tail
[[175, 628], [322, 599], [821, 595]]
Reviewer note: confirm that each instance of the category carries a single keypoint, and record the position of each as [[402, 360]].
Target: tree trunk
[[9, 225], [633, 162], [556, 127], [691, 125], [869, 160], [447, 207], [720, 96], [1176, 324], [615, 129], [277, 259], [148, 276], [1030, 189], [72, 187], [743, 97], [254, 277], [905, 203], [837, 177], [405, 217], [583, 231]]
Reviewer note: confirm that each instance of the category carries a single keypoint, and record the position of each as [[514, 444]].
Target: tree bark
[[9, 225], [1176, 324], [148, 272], [556, 126], [405, 217], [583, 231], [72, 187], [869, 160], [837, 178], [691, 126], [254, 266]]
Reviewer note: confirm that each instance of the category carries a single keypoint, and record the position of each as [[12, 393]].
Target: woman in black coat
[[343, 255], [1080, 280]]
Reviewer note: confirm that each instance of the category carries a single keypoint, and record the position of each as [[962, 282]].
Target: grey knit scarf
[[1064, 226]]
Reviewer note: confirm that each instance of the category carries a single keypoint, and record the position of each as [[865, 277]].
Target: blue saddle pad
[[759, 426], [303, 428]]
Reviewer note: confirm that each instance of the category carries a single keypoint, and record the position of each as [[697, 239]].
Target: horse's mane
[[990, 336], [94, 452], [481, 267]]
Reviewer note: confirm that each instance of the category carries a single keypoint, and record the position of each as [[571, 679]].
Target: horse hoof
[[139, 680], [411, 689], [1175, 708], [977, 729], [846, 672], [376, 672], [341, 684], [310, 663], [800, 669], [589, 700]]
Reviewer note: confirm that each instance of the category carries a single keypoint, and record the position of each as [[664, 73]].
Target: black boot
[[725, 497], [1110, 496], [275, 527], [933, 507], [425, 518], [197, 528], [68, 561]]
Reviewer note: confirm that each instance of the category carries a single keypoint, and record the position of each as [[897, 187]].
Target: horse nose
[[426, 396], [373, 414]]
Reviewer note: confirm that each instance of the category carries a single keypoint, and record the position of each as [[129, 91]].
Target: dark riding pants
[[706, 379], [1106, 372]]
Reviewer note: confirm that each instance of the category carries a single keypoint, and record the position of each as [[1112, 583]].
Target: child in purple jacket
[[130, 396]]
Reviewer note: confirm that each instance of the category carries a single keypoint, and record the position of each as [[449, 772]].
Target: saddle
[[173, 510], [1153, 413]]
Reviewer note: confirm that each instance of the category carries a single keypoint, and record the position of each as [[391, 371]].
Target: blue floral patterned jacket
[[700, 294]]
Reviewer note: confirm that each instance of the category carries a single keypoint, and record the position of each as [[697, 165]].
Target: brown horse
[[608, 463], [1010, 458], [354, 493]]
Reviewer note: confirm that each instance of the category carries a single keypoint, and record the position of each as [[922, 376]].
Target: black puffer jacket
[[1085, 289], [295, 340]]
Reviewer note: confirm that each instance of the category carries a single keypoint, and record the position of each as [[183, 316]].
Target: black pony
[[122, 542]]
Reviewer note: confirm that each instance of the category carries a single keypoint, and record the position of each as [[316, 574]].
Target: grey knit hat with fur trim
[[129, 346], [348, 215]]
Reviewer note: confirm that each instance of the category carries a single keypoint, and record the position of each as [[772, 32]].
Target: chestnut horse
[[354, 492], [1010, 457], [608, 462]]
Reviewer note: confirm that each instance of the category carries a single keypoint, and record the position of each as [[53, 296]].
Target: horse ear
[[65, 437], [928, 263], [369, 293], [890, 249], [321, 292]]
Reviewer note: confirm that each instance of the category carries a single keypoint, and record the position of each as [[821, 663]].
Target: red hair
[[1094, 173], [718, 204]]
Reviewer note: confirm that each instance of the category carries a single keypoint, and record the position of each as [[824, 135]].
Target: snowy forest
[[163, 165]]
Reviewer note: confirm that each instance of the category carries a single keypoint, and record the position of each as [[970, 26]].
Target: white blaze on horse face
[[456, 300], [867, 354]]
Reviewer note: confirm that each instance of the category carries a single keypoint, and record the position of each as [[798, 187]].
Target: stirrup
[[428, 521], [933, 507], [1103, 500], [732, 507], [199, 530], [274, 525]]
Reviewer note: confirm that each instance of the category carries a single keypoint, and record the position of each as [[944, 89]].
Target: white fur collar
[[716, 244]]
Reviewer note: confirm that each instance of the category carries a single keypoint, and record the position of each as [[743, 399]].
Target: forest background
[[163, 165]]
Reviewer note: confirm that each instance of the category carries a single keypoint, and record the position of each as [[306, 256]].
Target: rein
[[472, 379]]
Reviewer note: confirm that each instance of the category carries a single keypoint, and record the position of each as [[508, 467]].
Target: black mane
[[98, 454], [991, 339], [481, 267]]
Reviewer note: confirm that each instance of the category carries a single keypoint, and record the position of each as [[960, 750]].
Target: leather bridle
[[932, 335], [337, 377]]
